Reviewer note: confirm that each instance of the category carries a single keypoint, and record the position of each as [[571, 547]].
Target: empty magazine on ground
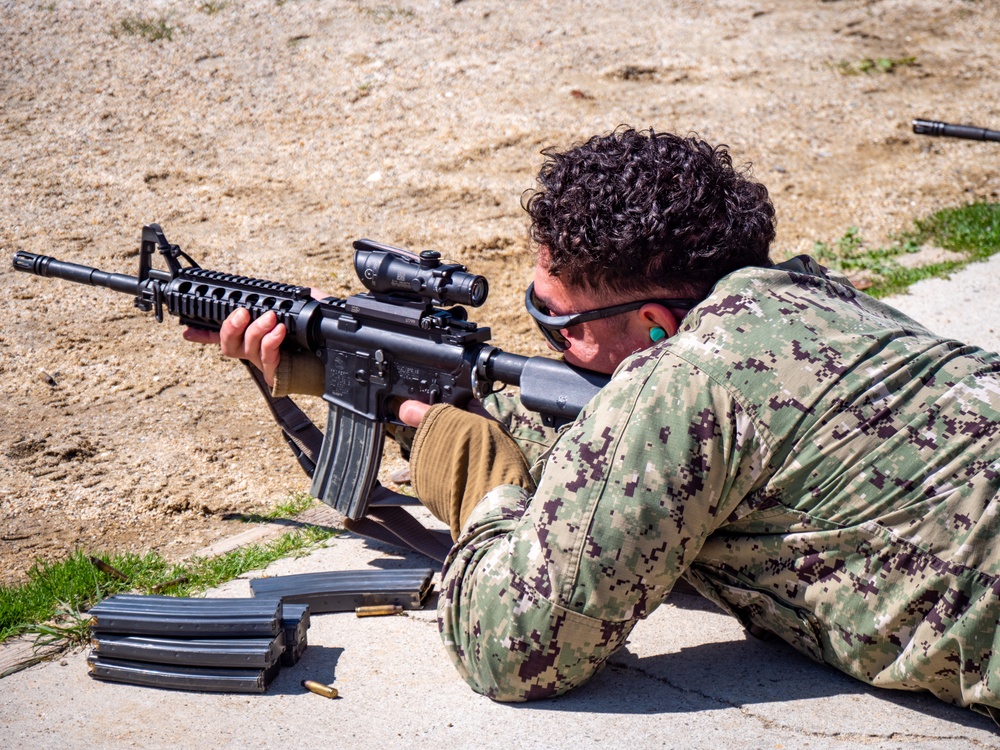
[[344, 591]]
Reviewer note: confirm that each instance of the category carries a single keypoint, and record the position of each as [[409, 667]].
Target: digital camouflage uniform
[[524, 426], [821, 466]]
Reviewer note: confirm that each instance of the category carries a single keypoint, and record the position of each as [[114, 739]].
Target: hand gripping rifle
[[407, 337]]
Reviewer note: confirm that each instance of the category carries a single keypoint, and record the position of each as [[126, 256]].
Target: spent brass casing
[[110, 570], [169, 584], [379, 610], [327, 691]]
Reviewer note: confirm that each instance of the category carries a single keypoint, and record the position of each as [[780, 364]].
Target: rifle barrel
[[969, 132], [45, 265]]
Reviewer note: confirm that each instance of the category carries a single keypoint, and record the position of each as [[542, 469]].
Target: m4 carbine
[[407, 337]]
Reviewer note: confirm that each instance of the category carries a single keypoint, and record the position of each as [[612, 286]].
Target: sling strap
[[386, 521]]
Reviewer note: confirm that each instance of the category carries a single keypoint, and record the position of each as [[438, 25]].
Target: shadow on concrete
[[318, 663], [291, 523], [715, 676]]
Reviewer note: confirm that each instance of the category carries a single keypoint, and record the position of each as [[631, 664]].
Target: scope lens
[[478, 292], [465, 288]]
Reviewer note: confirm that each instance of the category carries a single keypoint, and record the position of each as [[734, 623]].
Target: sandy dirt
[[265, 136]]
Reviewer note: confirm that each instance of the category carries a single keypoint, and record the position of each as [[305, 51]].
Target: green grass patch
[[54, 594], [152, 28], [872, 65], [211, 7], [972, 232], [295, 504], [386, 13], [972, 229]]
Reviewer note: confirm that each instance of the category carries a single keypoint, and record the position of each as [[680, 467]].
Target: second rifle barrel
[[44, 265], [970, 132]]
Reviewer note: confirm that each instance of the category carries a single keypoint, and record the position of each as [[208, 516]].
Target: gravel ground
[[265, 136]]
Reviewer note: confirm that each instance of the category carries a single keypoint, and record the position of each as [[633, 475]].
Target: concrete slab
[[965, 307], [688, 678]]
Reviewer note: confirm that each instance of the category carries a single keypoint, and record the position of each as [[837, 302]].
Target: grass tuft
[[211, 7], [55, 595], [386, 13], [870, 65], [973, 229], [972, 232], [153, 29], [69, 628], [295, 504]]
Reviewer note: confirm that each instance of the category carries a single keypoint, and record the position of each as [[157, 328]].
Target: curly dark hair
[[633, 210]]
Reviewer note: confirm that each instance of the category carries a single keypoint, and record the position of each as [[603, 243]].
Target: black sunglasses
[[551, 325]]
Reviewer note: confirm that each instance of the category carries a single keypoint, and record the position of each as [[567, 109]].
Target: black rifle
[[390, 342], [971, 132]]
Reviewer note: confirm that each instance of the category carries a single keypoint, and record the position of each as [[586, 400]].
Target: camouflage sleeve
[[525, 426], [538, 592]]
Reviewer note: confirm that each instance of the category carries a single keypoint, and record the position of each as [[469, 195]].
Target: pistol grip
[[347, 469]]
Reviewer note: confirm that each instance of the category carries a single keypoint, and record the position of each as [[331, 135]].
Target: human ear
[[655, 316]]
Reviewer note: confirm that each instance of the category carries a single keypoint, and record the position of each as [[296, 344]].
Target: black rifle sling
[[385, 522]]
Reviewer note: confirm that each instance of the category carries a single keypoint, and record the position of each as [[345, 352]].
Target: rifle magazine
[[348, 464]]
